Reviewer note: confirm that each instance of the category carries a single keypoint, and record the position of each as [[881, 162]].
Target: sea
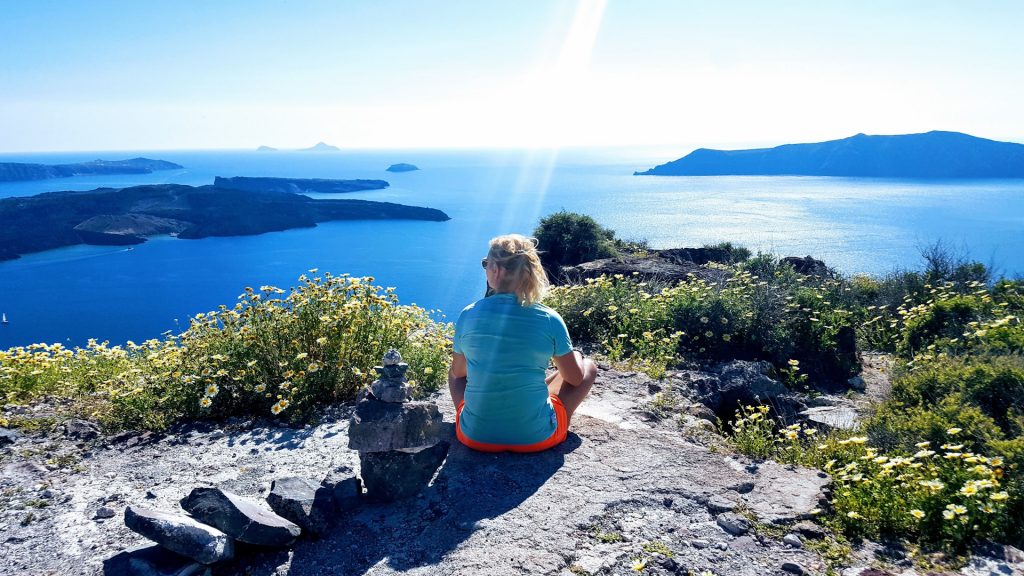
[[117, 294]]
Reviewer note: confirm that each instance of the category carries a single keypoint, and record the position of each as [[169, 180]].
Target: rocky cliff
[[640, 486]]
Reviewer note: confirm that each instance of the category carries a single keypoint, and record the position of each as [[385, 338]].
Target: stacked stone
[[399, 441]]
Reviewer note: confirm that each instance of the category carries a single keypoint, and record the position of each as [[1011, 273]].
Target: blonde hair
[[525, 276]]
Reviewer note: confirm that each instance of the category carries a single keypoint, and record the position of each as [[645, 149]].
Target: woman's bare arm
[[457, 378], [570, 367]]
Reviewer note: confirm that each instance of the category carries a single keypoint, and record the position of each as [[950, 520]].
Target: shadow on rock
[[471, 487]]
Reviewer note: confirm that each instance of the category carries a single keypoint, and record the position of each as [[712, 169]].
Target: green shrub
[[568, 238], [731, 254], [938, 493], [743, 317], [946, 317], [273, 354], [994, 385]]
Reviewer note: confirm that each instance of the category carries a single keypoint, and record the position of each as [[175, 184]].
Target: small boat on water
[[4, 321]]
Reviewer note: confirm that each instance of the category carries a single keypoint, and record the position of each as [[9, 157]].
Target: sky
[[129, 75]]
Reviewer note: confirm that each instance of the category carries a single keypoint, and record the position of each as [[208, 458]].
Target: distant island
[[266, 149], [19, 172], [402, 167], [298, 185], [930, 155], [320, 147], [123, 216]]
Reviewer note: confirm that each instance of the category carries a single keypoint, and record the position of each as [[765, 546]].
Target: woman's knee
[[589, 370]]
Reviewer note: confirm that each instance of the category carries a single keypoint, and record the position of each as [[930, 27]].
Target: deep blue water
[[855, 225]]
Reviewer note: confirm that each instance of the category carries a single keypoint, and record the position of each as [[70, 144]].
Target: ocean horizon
[[856, 225]]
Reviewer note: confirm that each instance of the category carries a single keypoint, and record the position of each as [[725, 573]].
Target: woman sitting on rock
[[503, 344]]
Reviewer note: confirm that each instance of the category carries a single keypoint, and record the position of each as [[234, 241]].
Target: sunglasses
[[483, 263]]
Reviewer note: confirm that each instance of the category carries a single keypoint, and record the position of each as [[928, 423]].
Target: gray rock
[[808, 266], [302, 501], [833, 417], [180, 534], [378, 426], [792, 568], [347, 493], [241, 518], [104, 513], [857, 383], [809, 529], [738, 381], [719, 503], [703, 412], [391, 391], [24, 470], [792, 540], [81, 430], [742, 487], [733, 523], [7, 437], [699, 544], [395, 475], [392, 358], [785, 494], [653, 268], [745, 544]]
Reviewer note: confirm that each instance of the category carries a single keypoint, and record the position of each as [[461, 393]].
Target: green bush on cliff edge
[[274, 354]]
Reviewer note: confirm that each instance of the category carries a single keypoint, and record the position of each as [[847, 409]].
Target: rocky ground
[[643, 483]]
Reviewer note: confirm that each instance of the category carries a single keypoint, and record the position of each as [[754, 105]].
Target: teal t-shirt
[[507, 348]]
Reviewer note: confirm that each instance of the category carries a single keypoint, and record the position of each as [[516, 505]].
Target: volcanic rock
[[378, 426], [398, 474], [303, 502], [241, 518], [180, 534]]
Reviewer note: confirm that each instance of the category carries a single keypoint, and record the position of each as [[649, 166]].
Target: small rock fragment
[[81, 430], [809, 529], [793, 568], [7, 437], [733, 523], [792, 540], [104, 513], [719, 503]]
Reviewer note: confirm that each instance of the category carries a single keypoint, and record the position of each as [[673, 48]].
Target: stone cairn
[[400, 448], [399, 441]]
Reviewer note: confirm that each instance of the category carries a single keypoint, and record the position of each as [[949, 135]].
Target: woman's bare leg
[[572, 396]]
